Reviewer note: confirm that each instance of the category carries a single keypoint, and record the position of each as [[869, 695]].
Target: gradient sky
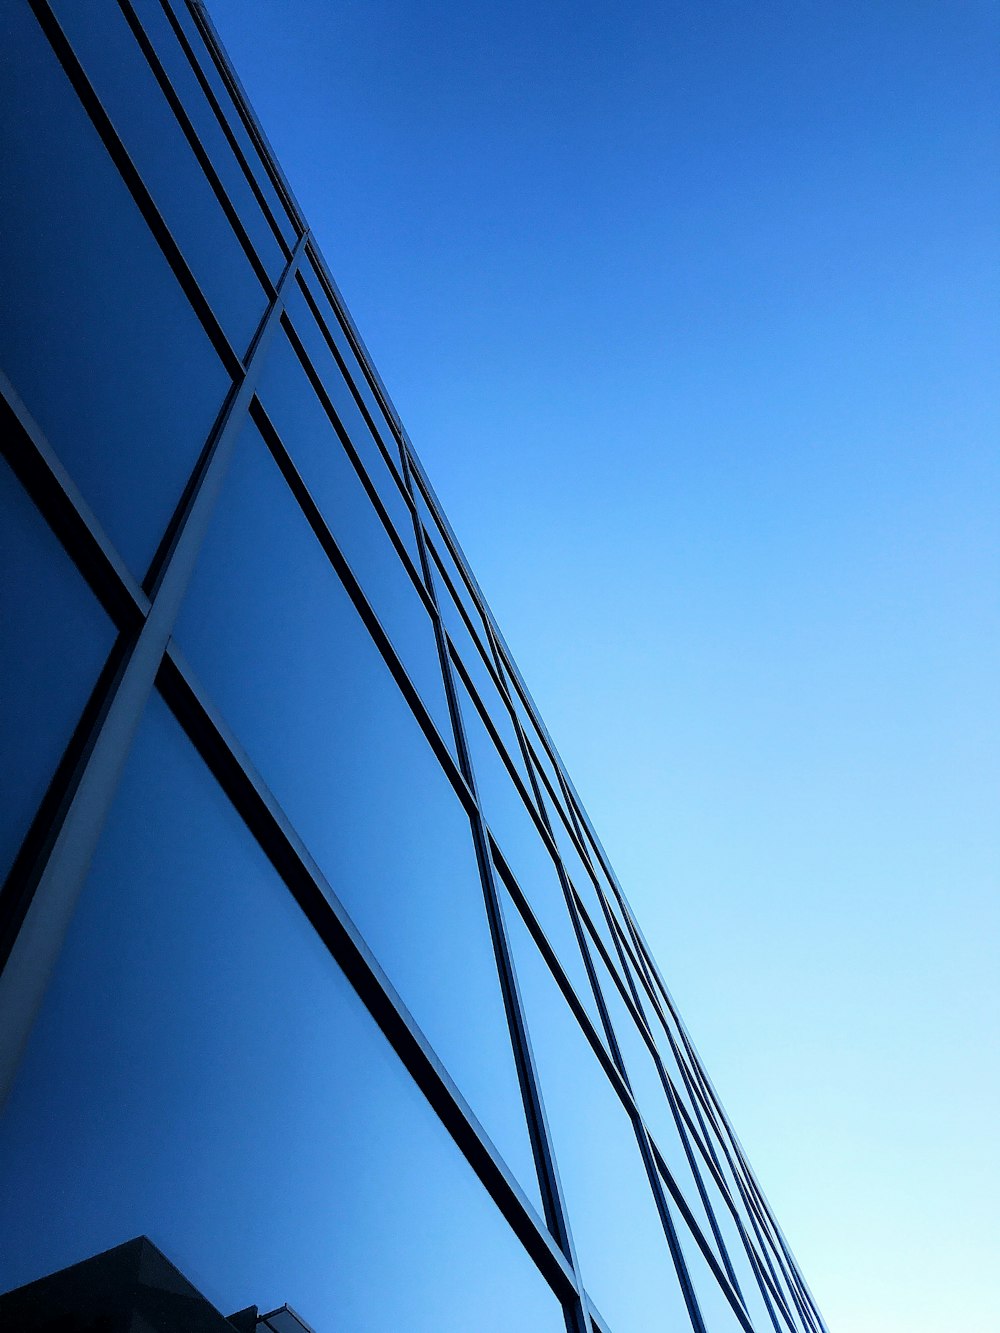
[[690, 310]]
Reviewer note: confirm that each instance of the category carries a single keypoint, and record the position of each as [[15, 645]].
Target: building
[[314, 970]]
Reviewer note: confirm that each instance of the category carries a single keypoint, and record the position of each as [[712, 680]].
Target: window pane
[[524, 851], [624, 1258], [135, 102], [202, 1072], [91, 306], [715, 1306], [350, 359], [315, 448], [213, 139], [351, 418], [54, 639], [279, 646]]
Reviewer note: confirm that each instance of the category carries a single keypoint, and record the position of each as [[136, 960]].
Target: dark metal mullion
[[340, 430], [241, 106], [135, 184], [706, 1146], [51, 895], [270, 826], [633, 1005], [321, 322], [356, 592], [640, 1129], [191, 135], [635, 1014], [56, 495], [537, 1123], [672, 1096], [357, 343]]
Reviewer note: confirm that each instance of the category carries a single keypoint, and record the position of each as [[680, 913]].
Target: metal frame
[[40, 893]]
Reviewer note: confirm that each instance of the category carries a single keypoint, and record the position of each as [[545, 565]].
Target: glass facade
[[314, 971]]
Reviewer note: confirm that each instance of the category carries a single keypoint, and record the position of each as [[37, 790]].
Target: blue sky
[[690, 312]]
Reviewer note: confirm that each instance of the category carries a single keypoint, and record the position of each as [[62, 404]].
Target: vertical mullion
[[53, 885], [553, 1202]]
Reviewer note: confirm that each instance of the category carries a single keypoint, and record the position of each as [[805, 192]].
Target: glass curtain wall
[[314, 970]]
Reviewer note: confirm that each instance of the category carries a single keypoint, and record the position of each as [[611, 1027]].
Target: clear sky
[[690, 310]]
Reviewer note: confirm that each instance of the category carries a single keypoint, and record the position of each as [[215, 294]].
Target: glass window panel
[[716, 1308], [484, 683], [746, 1279], [227, 164], [201, 1072], [578, 873], [624, 1258], [315, 448], [651, 1098], [134, 100], [524, 851], [345, 405], [54, 639], [277, 643], [446, 560], [355, 370], [91, 306]]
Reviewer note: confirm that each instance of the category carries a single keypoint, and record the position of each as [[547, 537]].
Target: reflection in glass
[[54, 639], [156, 144], [623, 1252], [91, 306], [351, 417], [280, 648], [201, 1072], [524, 851], [211, 134], [315, 448], [651, 1098]]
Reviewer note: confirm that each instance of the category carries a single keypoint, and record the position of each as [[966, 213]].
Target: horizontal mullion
[[275, 833], [191, 135], [378, 504], [67, 513], [243, 110], [135, 184], [354, 589]]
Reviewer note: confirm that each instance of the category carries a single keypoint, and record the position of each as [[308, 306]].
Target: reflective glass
[[524, 851], [156, 144], [746, 1279], [201, 1072], [652, 1100], [97, 335], [315, 448], [279, 646], [350, 359], [345, 405], [716, 1308], [54, 639], [624, 1258], [210, 132], [579, 874]]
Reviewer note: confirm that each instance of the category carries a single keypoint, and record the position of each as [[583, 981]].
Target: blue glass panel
[[716, 1309], [623, 1252], [386, 481], [198, 107], [350, 359], [579, 874], [524, 851], [201, 1072], [54, 639], [746, 1279], [91, 307], [652, 1100], [133, 99], [279, 646], [308, 434]]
